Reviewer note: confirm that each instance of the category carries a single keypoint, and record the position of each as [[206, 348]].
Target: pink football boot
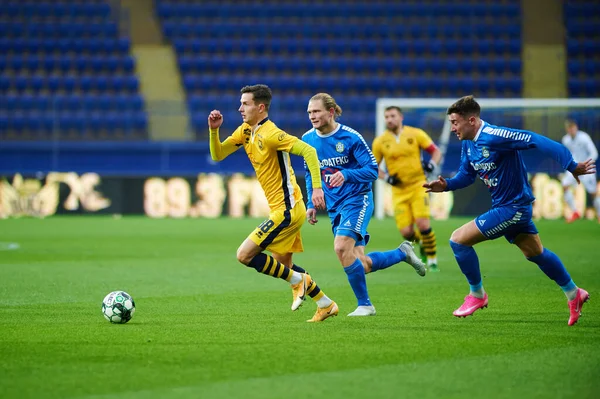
[[471, 304], [576, 304]]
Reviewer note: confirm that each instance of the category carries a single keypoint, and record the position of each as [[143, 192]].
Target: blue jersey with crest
[[494, 156], [343, 150]]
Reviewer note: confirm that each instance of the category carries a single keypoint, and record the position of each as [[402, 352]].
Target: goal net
[[544, 116]]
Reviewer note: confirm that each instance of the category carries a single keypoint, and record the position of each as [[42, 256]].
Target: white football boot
[[412, 258], [364, 311]]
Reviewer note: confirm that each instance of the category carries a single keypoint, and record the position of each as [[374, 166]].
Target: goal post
[[544, 116]]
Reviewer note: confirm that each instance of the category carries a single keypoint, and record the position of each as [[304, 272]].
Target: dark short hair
[[466, 106], [262, 94], [391, 107]]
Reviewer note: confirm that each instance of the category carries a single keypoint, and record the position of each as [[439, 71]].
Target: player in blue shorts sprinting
[[493, 153], [348, 169]]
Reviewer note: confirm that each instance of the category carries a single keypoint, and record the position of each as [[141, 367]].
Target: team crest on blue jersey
[[339, 147], [485, 152]]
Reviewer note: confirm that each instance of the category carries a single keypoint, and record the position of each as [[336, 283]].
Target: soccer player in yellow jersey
[[400, 147], [269, 149]]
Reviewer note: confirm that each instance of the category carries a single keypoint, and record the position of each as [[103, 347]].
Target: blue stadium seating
[[60, 30], [288, 31], [65, 68], [174, 9], [583, 47], [82, 8], [78, 46], [351, 49]]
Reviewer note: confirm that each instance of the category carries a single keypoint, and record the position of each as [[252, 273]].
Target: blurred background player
[[582, 147], [400, 147], [268, 149], [493, 154], [348, 170]]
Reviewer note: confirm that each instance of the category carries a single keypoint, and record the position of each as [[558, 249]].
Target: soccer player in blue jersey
[[493, 154], [348, 170]]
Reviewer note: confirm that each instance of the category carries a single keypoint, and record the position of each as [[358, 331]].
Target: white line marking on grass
[[9, 246]]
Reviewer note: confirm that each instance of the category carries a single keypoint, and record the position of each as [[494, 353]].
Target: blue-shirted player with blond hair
[[348, 170], [492, 153]]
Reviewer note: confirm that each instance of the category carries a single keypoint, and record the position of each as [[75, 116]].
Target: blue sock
[[552, 267], [383, 260], [467, 260], [358, 282]]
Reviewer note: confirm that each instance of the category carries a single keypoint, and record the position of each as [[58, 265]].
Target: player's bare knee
[[457, 236], [529, 244], [407, 232], [530, 252], [343, 252], [243, 257], [423, 224]]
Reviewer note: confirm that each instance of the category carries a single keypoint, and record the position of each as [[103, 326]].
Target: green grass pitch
[[207, 327]]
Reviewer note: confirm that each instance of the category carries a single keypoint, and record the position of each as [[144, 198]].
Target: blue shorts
[[353, 217], [507, 221]]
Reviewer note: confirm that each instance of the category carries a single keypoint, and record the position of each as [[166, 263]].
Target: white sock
[[480, 293], [431, 261], [571, 294], [296, 277], [324, 301], [597, 206], [570, 200]]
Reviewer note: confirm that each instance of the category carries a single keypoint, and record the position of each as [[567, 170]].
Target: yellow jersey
[[402, 153], [268, 149]]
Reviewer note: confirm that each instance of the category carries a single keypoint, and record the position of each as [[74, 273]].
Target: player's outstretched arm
[[218, 150], [311, 163], [436, 186], [584, 168]]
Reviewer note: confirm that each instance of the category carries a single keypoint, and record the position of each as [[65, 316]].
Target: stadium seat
[[65, 61]]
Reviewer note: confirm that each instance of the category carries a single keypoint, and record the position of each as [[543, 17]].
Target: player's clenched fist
[[215, 119]]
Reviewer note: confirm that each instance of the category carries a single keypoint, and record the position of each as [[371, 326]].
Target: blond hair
[[328, 102]]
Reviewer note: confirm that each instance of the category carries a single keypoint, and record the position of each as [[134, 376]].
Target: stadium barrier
[[211, 195], [173, 179]]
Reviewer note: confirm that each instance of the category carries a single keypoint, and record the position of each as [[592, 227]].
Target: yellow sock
[[429, 243]]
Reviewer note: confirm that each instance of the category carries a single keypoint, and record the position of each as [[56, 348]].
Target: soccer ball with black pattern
[[118, 307]]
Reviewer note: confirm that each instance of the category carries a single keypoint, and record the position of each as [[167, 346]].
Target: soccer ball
[[118, 307]]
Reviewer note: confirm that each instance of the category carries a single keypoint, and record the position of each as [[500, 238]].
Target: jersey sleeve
[[221, 150], [308, 181], [368, 170], [465, 176], [513, 139], [423, 139], [377, 153], [311, 160], [281, 141]]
